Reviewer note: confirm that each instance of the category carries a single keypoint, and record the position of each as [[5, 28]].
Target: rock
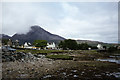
[[19, 56], [74, 59], [32, 69], [41, 66]]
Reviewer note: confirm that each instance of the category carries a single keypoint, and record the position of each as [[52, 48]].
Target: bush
[[68, 44], [83, 46], [112, 49], [40, 43]]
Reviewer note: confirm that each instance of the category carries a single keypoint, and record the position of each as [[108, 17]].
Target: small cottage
[[100, 47], [51, 46], [29, 46]]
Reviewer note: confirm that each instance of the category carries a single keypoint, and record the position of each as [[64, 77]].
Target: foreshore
[[45, 68]]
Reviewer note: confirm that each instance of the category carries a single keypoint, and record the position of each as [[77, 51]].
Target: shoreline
[[38, 70], [46, 68]]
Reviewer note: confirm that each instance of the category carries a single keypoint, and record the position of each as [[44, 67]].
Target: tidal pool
[[114, 59], [110, 60]]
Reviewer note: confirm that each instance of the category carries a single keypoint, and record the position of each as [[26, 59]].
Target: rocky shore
[[20, 65]]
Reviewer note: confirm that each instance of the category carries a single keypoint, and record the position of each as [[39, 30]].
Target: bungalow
[[100, 47], [28, 46], [51, 45]]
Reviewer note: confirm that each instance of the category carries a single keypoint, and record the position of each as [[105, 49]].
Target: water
[[110, 60], [117, 56], [116, 74], [87, 73], [47, 76], [114, 58], [23, 75]]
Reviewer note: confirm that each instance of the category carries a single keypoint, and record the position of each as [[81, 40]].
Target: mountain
[[4, 36], [92, 43], [37, 33], [89, 42]]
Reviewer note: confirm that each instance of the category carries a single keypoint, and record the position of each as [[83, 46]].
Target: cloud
[[96, 26], [90, 20], [18, 17]]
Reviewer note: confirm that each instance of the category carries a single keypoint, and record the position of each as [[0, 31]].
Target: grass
[[59, 56], [42, 51], [81, 54], [88, 54]]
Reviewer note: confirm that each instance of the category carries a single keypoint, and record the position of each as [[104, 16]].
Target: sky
[[96, 21]]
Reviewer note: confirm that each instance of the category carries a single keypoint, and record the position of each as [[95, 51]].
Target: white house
[[51, 46], [100, 47], [28, 45]]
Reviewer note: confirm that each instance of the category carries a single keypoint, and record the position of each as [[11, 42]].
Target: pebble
[[83, 72], [75, 76], [32, 69]]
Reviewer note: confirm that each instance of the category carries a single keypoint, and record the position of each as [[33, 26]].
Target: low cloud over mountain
[[35, 33]]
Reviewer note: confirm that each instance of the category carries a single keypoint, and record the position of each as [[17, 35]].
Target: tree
[[62, 45], [72, 44], [105, 47], [40, 43], [83, 46], [5, 41], [68, 44], [112, 49]]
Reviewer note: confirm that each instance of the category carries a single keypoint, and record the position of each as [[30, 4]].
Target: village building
[[89, 48], [51, 46], [28, 45], [100, 47], [12, 43], [15, 43]]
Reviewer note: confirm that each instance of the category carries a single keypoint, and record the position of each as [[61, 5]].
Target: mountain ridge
[[38, 33]]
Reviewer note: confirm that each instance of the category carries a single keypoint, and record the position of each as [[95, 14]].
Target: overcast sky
[[76, 20]]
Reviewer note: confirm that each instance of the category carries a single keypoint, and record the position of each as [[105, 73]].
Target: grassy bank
[[63, 57], [42, 51], [65, 54]]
